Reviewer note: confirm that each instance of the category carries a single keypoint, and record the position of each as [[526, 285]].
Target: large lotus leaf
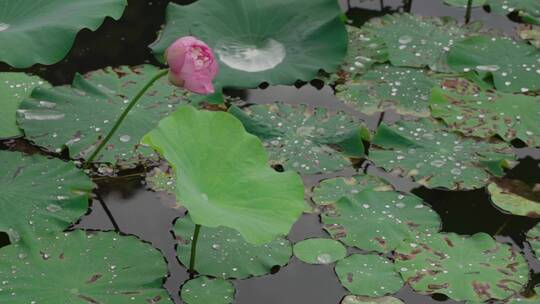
[[515, 197], [529, 10], [364, 50], [485, 114], [331, 190], [204, 150], [368, 275], [222, 252], [533, 236], [464, 3], [203, 290], [319, 251], [43, 31], [77, 268], [14, 87], [514, 66], [40, 196], [350, 299], [257, 41], [414, 41], [378, 220], [80, 115], [385, 87], [304, 140], [434, 157], [472, 268]]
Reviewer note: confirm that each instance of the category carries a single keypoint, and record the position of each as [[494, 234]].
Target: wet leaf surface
[[329, 191], [204, 290], [515, 197], [472, 268], [319, 251]]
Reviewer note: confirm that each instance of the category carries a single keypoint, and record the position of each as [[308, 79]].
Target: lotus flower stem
[[194, 250], [469, 10], [124, 114], [408, 5], [382, 5]]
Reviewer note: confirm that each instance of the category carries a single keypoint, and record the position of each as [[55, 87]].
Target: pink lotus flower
[[192, 65]]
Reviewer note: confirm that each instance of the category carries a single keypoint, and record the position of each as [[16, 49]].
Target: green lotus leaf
[[533, 237], [378, 220], [485, 114], [463, 3], [43, 31], [364, 50], [81, 268], [368, 275], [414, 41], [529, 10], [80, 115], [203, 149], [511, 65], [435, 157], [384, 87], [350, 299], [303, 140], [222, 252], [530, 33], [203, 290], [14, 87], [257, 41], [472, 268], [515, 197], [40, 196], [319, 251], [331, 190]]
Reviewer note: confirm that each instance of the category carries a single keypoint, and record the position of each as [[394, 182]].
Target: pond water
[[125, 203]]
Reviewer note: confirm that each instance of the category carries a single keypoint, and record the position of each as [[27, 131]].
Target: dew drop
[[125, 138], [3, 26], [53, 208], [405, 39], [324, 258], [252, 58]]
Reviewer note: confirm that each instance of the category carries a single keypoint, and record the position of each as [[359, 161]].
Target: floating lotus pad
[[78, 116], [44, 31], [350, 299], [331, 190], [533, 237], [464, 268], [514, 66], [435, 157], [515, 197], [528, 10], [295, 43], [463, 3], [222, 252], [304, 140], [414, 41], [368, 275], [319, 251], [40, 196], [385, 87], [197, 145], [14, 87], [203, 290], [78, 268], [511, 116]]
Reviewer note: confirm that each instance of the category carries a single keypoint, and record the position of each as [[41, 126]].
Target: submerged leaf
[[204, 290], [223, 177], [319, 251], [472, 268], [257, 41], [303, 140], [515, 197]]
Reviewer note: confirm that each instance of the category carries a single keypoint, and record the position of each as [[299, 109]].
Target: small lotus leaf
[[515, 197], [203, 290], [464, 3], [319, 251], [350, 299]]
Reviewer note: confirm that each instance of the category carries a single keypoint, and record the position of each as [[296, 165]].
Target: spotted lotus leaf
[[351, 299], [14, 87], [386, 87], [331, 190], [319, 251], [516, 197], [483, 114], [204, 290], [222, 252], [303, 140], [77, 117], [368, 275], [463, 3], [513, 66], [40, 196], [364, 50], [434, 157], [414, 41], [82, 268], [378, 220], [528, 10], [533, 237], [472, 268]]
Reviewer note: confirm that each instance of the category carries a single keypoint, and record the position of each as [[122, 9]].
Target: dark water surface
[[126, 203]]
